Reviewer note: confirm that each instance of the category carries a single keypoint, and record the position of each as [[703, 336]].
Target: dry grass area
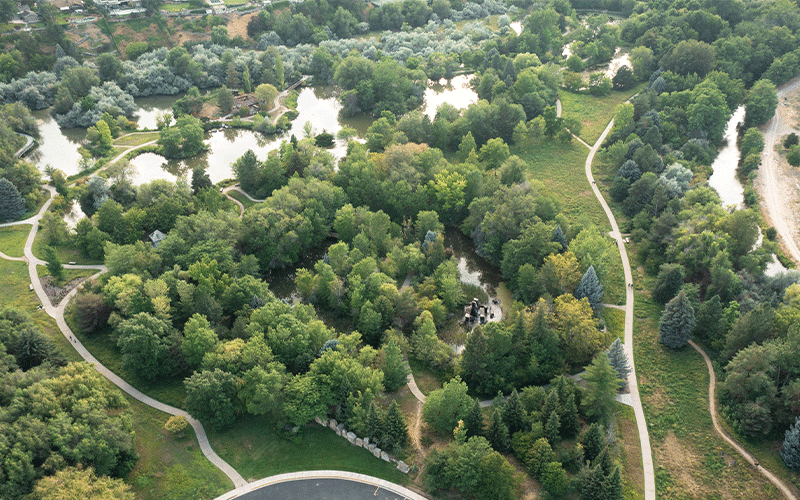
[[237, 24]]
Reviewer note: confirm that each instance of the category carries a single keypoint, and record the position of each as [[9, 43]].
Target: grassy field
[[243, 199], [630, 455], [426, 380], [12, 239], [66, 253], [594, 113], [170, 467], [169, 7], [254, 448], [691, 460], [136, 139], [615, 322]]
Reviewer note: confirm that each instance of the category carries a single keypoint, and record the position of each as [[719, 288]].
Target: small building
[[156, 237], [27, 16], [249, 101]]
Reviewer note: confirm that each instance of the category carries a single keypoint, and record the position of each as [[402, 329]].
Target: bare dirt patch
[[237, 24], [681, 462], [55, 292]]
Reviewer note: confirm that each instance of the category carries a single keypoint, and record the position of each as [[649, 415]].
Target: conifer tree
[[396, 429], [559, 237], [550, 402], [591, 288], [54, 266], [474, 420], [375, 425], [601, 389], [12, 206], [514, 415], [709, 324], [592, 485], [790, 451], [677, 322], [618, 359], [498, 433], [552, 428], [593, 442], [569, 418], [613, 486]]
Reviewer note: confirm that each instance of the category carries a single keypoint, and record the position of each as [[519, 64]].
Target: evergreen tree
[[569, 418], [591, 288], [54, 266], [601, 389], [790, 451], [559, 237], [668, 282], [474, 420], [613, 486], [395, 371], [200, 179], [552, 428], [550, 402], [603, 461], [709, 323], [618, 359], [677, 322], [396, 430], [374, 424], [592, 484], [12, 206], [593, 442], [514, 415], [498, 433], [630, 170]]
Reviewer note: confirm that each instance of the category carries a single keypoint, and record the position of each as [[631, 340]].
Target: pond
[[724, 181], [455, 91], [56, 147], [150, 108]]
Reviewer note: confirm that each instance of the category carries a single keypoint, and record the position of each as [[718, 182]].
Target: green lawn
[[12, 239], [594, 113], [103, 346], [426, 380], [615, 322], [691, 460], [69, 274], [66, 253], [169, 7], [170, 467], [561, 168], [136, 139], [242, 198], [252, 446], [630, 455]]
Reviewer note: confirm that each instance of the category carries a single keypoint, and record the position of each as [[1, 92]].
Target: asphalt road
[[321, 489]]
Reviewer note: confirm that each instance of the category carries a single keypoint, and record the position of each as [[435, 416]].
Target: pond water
[[517, 27], [150, 108], [724, 181], [455, 91], [57, 147]]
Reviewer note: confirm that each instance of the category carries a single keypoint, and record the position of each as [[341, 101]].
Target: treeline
[[58, 420], [20, 182]]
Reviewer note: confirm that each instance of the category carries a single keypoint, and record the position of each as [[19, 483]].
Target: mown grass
[[244, 200], [630, 454], [254, 448], [66, 253], [103, 346], [561, 168], [615, 322], [12, 239], [691, 460], [136, 139], [169, 7], [170, 467], [426, 380], [594, 113]]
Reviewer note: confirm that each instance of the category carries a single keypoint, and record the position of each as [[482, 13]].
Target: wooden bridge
[[297, 83]]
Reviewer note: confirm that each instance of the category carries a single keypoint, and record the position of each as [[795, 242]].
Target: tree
[[266, 94], [200, 179], [395, 370], [601, 389], [677, 322], [554, 479], [668, 282], [498, 433], [54, 266], [446, 406], [691, 56], [145, 342], [790, 451], [552, 427], [623, 79], [619, 360], [760, 103], [593, 442], [224, 99], [473, 422], [514, 415], [591, 288], [395, 428], [76, 483], [570, 425], [211, 397], [33, 348], [12, 206], [540, 454], [199, 339], [91, 311]]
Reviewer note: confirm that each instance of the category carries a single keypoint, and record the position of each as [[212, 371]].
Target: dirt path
[[778, 184], [712, 408]]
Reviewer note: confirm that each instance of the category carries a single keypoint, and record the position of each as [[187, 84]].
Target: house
[[156, 237], [26, 15], [250, 101]]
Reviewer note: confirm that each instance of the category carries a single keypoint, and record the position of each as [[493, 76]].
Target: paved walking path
[[712, 408], [633, 386], [57, 312], [323, 474], [237, 202]]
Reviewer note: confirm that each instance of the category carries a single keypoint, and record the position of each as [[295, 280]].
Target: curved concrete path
[[323, 474], [58, 314], [712, 408], [644, 436]]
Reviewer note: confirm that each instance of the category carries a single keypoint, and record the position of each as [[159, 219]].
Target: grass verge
[[630, 454], [170, 467], [244, 200], [254, 448], [66, 253], [426, 380], [594, 113], [12, 239], [136, 139]]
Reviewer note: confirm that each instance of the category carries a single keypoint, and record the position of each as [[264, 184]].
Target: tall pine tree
[[498, 433], [552, 428], [559, 237], [569, 418], [790, 451], [677, 322], [474, 420], [375, 425], [514, 415], [618, 359], [395, 428], [591, 288], [593, 442], [12, 206]]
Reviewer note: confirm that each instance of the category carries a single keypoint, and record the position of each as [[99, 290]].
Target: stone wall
[[361, 442]]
